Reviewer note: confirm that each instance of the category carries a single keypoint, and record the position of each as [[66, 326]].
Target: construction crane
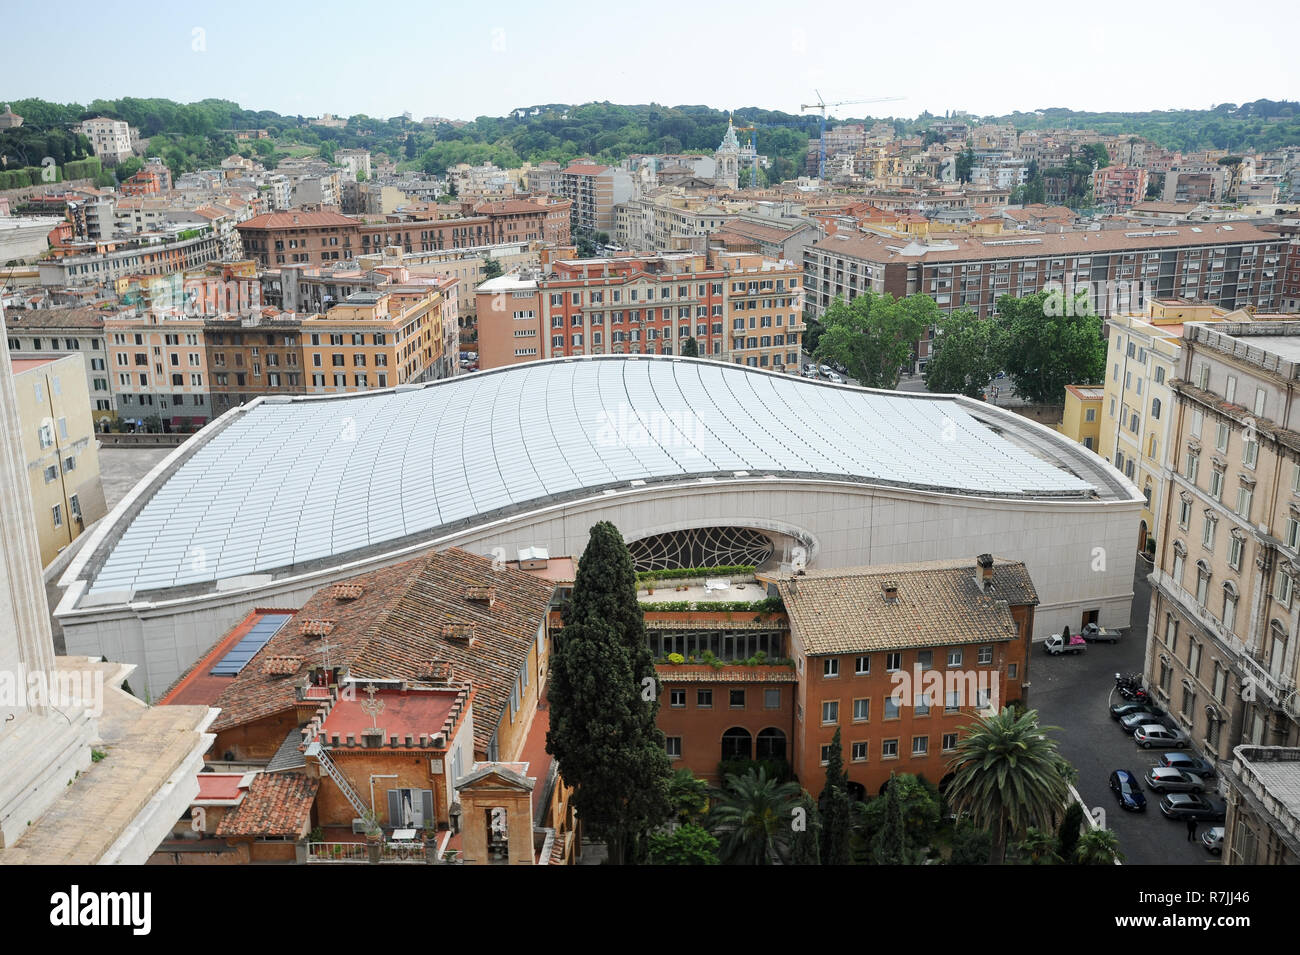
[[823, 105]]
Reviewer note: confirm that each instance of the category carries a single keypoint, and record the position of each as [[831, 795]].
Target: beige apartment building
[[159, 366], [1222, 653], [59, 448], [1141, 359]]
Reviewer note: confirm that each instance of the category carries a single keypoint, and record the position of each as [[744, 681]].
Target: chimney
[[890, 590], [985, 564]]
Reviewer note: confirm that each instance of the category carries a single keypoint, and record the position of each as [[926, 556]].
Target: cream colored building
[[1223, 655], [59, 448], [1141, 357]]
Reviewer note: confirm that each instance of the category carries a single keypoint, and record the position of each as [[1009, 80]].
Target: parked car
[[825, 369], [1121, 710], [1135, 721], [1212, 839], [1127, 792], [1186, 806], [1095, 634], [834, 378], [1056, 644], [1188, 763], [1162, 779], [1157, 734]]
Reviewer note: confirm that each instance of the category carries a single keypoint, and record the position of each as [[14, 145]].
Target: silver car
[[1162, 779], [1212, 839], [1153, 734]]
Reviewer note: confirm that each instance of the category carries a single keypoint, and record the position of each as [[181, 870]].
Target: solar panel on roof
[[257, 637]]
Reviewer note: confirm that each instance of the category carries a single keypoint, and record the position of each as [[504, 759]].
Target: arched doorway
[[737, 743], [1142, 537]]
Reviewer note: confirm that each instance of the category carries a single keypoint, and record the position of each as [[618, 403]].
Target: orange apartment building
[[375, 340], [899, 659], [495, 222], [252, 357], [413, 692], [1120, 186], [738, 307], [299, 237]]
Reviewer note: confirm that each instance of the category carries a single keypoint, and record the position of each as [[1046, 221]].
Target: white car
[[833, 378]]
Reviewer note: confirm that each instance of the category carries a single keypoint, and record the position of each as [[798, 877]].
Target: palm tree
[[1039, 847], [1098, 847], [752, 819], [1008, 776]]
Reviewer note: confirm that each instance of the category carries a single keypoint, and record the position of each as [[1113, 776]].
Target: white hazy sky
[[464, 60]]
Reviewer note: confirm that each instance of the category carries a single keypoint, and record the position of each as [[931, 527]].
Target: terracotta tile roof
[[395, 630], [509, 207], [1042, 245], [938, 604], [281, 665], [298, 220], [410, 633], [88, 319], [584, 169], [255, 694], [703, 673], [277, 804], [755, 230]]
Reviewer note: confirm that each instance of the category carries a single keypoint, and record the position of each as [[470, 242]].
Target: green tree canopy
[[686, 845], [874, 335], [964, 355], [1008, 776], [835, 807], [1046, 344], [753, 818]]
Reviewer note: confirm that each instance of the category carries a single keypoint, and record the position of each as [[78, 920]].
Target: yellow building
[[1081, 421], [60, 449], [1142, 355], [375, 340]]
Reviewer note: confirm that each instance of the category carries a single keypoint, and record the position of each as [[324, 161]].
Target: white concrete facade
[[1080, 555]]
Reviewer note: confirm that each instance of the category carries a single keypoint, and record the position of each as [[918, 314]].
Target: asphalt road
[[1074, 693]]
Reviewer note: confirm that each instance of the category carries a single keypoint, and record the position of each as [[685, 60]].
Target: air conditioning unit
[[359, 826]]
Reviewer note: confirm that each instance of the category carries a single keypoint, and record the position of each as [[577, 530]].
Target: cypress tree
[[891, 841], [835, 808], [603, 697]]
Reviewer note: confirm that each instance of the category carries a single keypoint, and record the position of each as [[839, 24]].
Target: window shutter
[[394, 807], [426, 806]]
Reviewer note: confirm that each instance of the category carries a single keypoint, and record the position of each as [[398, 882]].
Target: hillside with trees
[[196, 135]]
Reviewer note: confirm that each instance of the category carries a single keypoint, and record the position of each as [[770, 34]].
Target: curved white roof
[[285, 481]]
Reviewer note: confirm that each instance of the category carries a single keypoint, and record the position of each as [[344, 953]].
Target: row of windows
[[894, 661], [735, 699], [859, 750], [68, 344], [921, 705]]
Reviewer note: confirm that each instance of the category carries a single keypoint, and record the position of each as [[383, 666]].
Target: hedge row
[[696, 572]]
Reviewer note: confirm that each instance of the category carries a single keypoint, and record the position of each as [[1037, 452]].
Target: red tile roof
[[27, 364], [937, 604], [298, 220], [584, 169], [277, 804]]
